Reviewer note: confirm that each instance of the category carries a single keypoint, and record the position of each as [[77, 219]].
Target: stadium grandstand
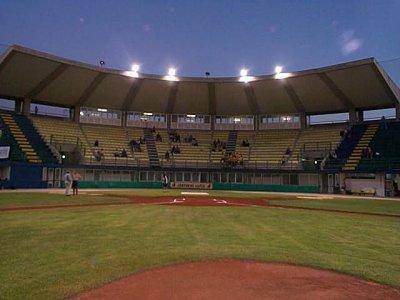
[[125, 128]]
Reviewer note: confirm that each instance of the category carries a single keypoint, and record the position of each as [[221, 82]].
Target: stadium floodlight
[[244, 76], [102, 109], [191, 116], [244, 72], [237, 120], [135, 68], [134, 71], [171, 74], [63, 156], [147, 114], [278, 69]]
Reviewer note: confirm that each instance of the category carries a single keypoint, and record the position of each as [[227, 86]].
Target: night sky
[[197, 36], [220, 37]]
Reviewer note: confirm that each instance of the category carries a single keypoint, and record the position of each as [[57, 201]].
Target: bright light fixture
[[282, 75], [278, 69], [148, 114], [236, 120], [244, 77], [171, 72], [244, 72], [171, 75], [82, 113], [135, 68], [191, 116], [102, 109]]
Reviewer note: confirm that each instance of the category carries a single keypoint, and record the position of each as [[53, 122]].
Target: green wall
[[119, 184], [216, 186], [266, 187]]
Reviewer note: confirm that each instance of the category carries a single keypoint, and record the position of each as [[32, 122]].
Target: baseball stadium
[[117, 184]]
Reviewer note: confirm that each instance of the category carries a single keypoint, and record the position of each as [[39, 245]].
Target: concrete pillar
[[76, 113], [169, 119], [18, 106], [26, 107], [257, 119], [124, 117], [352, 117], [212, 122], [303, 121], [398, 111], [360, 116]]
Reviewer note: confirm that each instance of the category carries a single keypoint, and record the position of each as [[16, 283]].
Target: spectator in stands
[[36, 110], [124, 153], [101, 154], [158, 137], [194, 142], [153, 130], [288, 151], [96, 143], [246, 143], [117, 153], [166, 155]]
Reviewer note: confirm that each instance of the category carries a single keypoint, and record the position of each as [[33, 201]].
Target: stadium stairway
[[151, 147], [386, 148], [345, 148], [31, 155], [7, 139], [356, 154], [34, 138], [232, 140]]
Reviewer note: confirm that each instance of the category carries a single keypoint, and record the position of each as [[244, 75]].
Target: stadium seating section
[[37, 139]]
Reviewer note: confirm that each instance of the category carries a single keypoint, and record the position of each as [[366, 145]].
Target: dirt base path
[[240, 280]]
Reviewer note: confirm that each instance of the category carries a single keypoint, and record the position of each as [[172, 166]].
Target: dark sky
[[198, 36]]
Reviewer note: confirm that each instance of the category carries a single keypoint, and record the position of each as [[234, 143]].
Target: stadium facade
[[249, 132]]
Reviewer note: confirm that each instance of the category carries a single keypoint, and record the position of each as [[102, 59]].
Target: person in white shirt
[[68, 183]]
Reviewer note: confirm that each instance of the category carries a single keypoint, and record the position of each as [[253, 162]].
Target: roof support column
[[355, 116], [303, 121], [169, 119], [26, 107], [76, 112], [397, 111], [18, 106], [212, 122]]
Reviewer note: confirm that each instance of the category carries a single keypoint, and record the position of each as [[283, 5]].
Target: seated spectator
[[124, 153], [117, 153], [158, 137], [166, 156], [245, 143], [96, 143], [194, 142], [153, 130], [288, 151]]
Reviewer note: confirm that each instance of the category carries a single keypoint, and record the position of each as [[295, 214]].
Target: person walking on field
[[75, 180], [68, 183], [165, 181]]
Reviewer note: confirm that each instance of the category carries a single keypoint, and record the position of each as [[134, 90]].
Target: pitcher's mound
[[240, 280]]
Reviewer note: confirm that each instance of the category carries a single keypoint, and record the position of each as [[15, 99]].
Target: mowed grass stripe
[[58, 253]]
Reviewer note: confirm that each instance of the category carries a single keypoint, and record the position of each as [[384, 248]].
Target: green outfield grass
[[60, 252], [346, 204]]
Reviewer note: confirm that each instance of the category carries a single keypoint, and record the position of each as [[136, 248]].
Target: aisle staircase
[[20, 138], [151, 147], [232, 139], [35, 140], [355, 157]]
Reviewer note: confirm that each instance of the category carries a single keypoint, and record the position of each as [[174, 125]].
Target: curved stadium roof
[[47, 79]]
